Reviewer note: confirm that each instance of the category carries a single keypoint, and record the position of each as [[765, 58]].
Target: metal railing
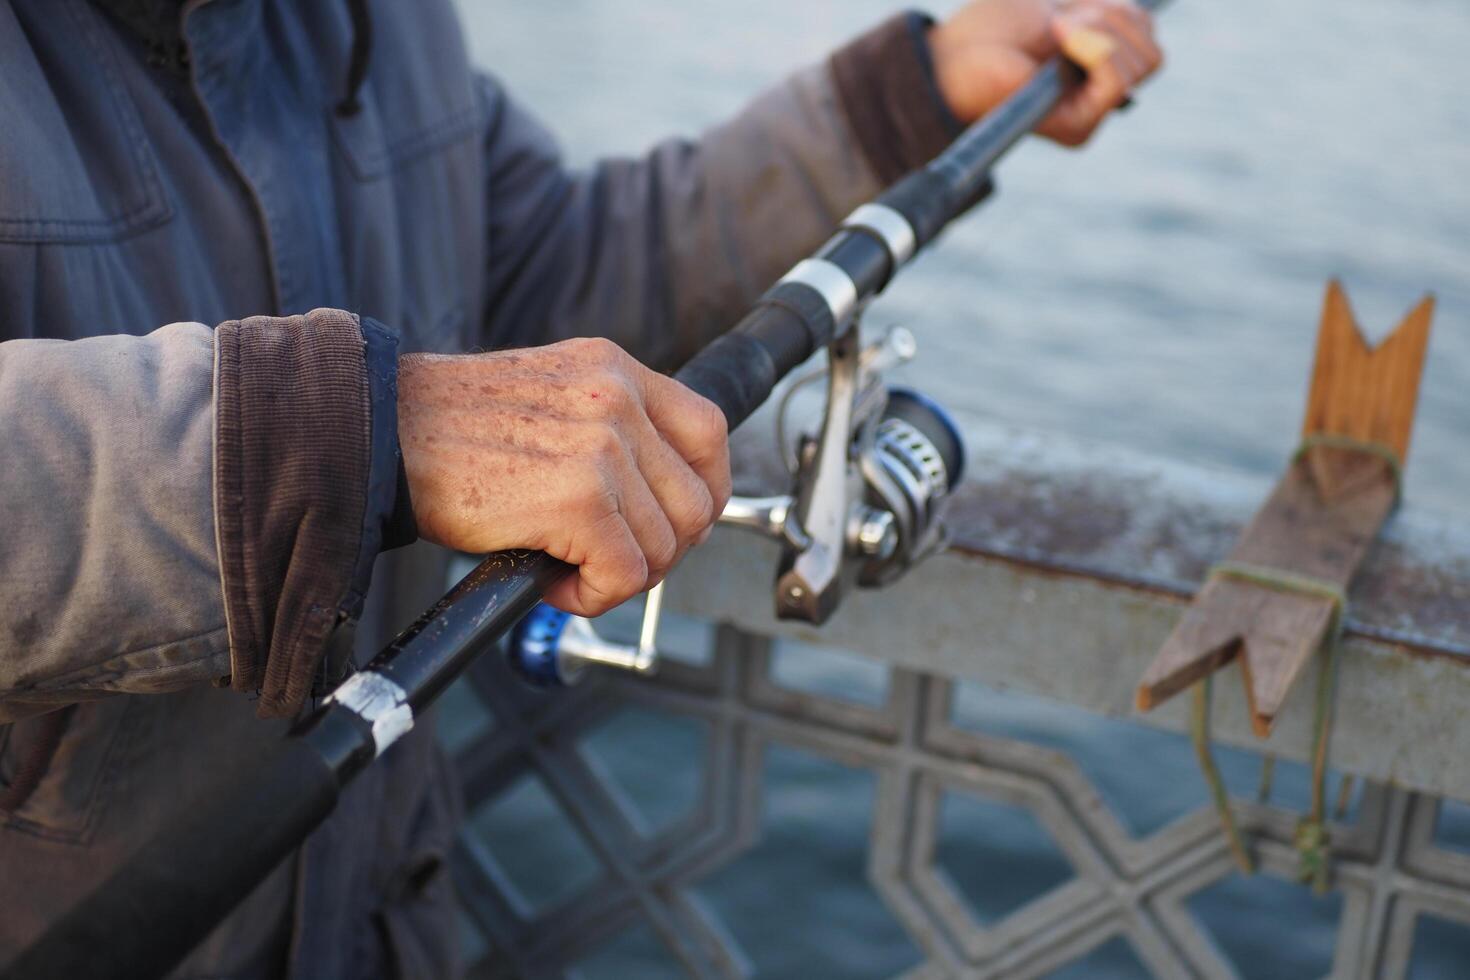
[[1068, 568]]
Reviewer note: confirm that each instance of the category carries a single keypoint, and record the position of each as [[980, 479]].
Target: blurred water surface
[[1159, 289]]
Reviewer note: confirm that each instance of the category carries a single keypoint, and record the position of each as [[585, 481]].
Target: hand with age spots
[[989, 48], [574, 449]]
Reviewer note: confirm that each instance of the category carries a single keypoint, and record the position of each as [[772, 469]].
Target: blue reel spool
[[935, 423], [534, 650]]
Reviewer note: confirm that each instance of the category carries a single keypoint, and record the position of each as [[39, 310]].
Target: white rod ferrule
[[835, 286], [893, 228]]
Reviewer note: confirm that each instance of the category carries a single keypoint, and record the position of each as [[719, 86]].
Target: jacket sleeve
[[664, 252], [191, 506]]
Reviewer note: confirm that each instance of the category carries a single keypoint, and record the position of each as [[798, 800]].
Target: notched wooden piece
[[1317, 524]]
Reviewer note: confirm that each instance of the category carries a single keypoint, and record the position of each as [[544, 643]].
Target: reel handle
[[552, 649]]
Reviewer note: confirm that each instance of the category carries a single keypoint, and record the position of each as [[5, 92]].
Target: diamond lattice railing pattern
[[771, 809]]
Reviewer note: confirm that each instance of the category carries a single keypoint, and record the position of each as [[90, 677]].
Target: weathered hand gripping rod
[[159, 905]]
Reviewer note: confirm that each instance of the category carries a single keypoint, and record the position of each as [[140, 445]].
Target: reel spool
[[917, 459]]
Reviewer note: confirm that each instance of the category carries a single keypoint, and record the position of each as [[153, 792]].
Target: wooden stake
[[1317, 524]]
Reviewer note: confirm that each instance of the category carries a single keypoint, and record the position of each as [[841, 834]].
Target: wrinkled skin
[[578, 450], [574, 449]]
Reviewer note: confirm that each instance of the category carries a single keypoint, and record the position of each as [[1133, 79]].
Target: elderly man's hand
[[574, 449], [990, 47]]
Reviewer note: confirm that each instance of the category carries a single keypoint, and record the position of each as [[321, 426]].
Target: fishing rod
[[171, 893]]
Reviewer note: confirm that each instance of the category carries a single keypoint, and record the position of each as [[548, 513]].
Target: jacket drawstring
[[362, 52]]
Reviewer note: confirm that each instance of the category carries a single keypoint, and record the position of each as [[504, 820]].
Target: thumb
[[1088, 47]]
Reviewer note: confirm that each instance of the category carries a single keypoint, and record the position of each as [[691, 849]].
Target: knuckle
[[618, 390], [599, 443], [720, 497], [687, 512], [614, 572], [607, 444], [659, 558], [698, 511], [632, 575], [605, 392], [712, 424], [600, 350], [595, 501]]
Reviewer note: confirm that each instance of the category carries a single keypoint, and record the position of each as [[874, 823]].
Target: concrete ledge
[[1069, 567]]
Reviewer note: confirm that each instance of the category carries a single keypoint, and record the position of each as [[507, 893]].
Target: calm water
[[1159, 290]]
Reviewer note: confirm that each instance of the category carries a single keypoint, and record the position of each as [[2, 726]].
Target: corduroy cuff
[[886, 82], [294, 474]]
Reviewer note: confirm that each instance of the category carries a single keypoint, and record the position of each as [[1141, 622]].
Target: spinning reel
[[870, 486]]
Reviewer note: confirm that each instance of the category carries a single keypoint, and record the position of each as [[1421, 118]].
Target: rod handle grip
[[740, 368], [735, 372]]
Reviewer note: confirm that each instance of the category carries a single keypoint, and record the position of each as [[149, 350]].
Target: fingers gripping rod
[[161, 903]]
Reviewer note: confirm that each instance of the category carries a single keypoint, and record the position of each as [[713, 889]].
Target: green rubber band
[[1199, 734], [1313, 843], [1381, 450], [1312, 839], [1284, 581]]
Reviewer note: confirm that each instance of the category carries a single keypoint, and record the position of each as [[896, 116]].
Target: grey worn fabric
[[108, 561], [662, 253], [131, 197], [230, 463]]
